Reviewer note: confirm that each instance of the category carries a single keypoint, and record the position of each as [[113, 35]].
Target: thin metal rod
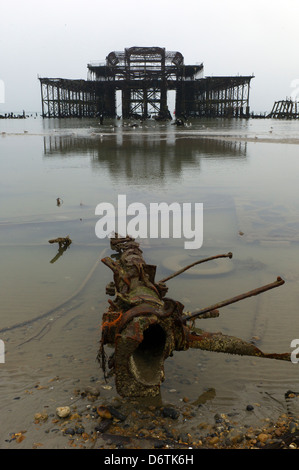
[[228, 255], [259, 290]]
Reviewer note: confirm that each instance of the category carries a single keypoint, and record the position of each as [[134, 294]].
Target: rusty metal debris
[[285, 109], [145, 327], [63, 244]]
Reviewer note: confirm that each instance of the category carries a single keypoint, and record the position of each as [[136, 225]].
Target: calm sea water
[[245, 172]]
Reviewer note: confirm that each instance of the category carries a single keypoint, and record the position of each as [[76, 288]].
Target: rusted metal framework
[[222, 96], [286, 109], [144, 75], [68, 98]]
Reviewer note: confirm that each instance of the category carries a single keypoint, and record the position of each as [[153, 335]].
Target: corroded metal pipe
[[218, 342], [144, 326]]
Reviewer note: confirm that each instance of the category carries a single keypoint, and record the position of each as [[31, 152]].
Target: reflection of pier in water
[[144, 156]]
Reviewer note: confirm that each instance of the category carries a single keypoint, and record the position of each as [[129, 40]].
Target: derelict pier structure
[[285, 109], [142, 77]]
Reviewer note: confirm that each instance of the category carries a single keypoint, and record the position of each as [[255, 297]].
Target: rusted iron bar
[[227, 255], [197, 313], [218, 342]]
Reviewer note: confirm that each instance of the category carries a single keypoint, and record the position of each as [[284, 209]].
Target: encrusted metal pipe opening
[[147, 361]]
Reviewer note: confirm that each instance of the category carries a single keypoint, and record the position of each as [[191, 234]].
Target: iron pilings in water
[[144, 75]]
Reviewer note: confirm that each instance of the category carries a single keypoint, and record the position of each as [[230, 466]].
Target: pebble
[[80, 430], [293, 426], [263, 437], [128, 421], [63, 411], [170, 413], [70, 431], [214, 440], [103, 412], [103, 425], [235, 436], [40, 417], [116, 414]]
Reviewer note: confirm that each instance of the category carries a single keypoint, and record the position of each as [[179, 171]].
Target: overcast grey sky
[[58, 39]]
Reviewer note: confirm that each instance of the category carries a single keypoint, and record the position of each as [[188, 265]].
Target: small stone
[[40, 417], [103, 412], [144, 433], [63, 411], [235, 436], [70, 431], [214, 440], [75, 416], [218, 418], [80, 430], [293, 427], [290, 394], [263, 437], [103, 426], [116, 414], [220, 428], [249, 407], [170, 413]]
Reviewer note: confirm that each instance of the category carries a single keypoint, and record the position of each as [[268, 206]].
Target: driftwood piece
[[145, 327]]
